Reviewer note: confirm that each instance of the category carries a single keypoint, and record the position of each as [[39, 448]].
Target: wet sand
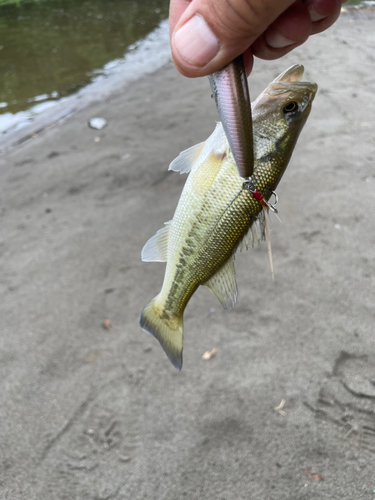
[[88, 413]]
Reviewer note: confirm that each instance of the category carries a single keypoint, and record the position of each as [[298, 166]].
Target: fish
[[231, 92], [218, 210]]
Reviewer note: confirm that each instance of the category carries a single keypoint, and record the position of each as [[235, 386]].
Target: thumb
[[206, 35]]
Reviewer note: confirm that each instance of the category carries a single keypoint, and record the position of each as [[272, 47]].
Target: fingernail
[[195, 42], [277, 41], [314, 16]]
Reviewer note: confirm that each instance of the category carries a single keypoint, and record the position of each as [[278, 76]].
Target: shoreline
[[143, 58], [137, 63]]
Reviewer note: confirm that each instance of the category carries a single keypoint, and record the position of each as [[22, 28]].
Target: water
[[358, 2], [50, 49]]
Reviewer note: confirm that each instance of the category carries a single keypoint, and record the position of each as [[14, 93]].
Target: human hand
[[208, 34]]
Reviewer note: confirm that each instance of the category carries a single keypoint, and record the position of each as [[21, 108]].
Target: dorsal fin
[[223, 285], [196, 155], [156, 249], [185, 160]]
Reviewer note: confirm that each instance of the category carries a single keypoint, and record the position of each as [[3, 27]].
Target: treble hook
[[249, 185], [271, 206]]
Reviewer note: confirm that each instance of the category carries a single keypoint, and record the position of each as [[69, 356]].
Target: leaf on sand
[[209, 354], [107, 325], [314, 476]]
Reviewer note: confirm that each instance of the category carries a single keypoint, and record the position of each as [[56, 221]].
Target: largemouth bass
[[217, 208]]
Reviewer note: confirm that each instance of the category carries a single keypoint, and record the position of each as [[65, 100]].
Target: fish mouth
[[289, 84], [292, 74], [292, 77]]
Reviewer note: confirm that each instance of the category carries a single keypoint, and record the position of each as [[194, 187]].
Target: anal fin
[[224, 286]]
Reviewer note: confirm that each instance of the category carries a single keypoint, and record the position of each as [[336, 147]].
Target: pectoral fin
[[224, 286], [185, 160], [255, 234], [156, 249]]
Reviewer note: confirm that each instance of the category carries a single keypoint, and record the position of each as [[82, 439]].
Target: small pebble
[[98, 123]]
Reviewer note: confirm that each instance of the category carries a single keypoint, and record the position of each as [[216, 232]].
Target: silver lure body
[[231, 92]]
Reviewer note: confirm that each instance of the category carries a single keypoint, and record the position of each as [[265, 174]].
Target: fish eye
[[290, 107]]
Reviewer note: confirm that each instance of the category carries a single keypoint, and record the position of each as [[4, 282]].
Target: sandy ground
[[87, 413]]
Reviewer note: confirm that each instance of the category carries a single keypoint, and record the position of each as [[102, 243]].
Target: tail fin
[[166, 328]]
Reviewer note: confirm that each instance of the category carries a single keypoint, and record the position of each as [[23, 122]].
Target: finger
[[323, 13], [294, 26], [248, 59], [291, 29], [210, 34], [176, 9]]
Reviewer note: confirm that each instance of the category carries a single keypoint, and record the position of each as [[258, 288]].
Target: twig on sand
[[279, 408]]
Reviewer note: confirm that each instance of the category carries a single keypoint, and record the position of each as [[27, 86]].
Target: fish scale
[[216, 209]]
